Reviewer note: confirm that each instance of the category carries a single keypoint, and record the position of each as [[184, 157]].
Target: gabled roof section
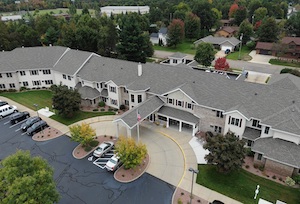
[[72, 61], [145, 109], [240, 109], [264, 46], [30, 58], [178, 55], [178, 114], [228, 29], [287, 120], [87, 92], [285, 81], [251, 133], [287, 40], [278, 150], [218, 40]]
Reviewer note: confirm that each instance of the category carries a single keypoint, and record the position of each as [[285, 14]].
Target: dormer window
[[112, 89], [267, 129]]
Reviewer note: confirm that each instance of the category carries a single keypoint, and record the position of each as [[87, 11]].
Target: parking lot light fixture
[[36, 107], [194, 171]]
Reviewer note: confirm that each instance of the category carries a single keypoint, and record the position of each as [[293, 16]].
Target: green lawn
[[184, 47], [235, 55], [43, 99], [284, 63], [240, 185]]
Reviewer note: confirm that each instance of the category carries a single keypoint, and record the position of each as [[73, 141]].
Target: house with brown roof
[[288, 47], [227, 31]]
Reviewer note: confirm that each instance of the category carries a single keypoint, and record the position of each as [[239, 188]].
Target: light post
[[194, 171], [241, 39], [36, 107], [256, 192]]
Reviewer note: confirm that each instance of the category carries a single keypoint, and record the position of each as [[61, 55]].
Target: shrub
[[251, 45], [110, 109], [295, 72], [280, 179], [255, 166], [88, 148], [285, 70], [249, 152], [274, 177], [95, 109], [102, 109], [122, 107], [101, 103], [261, 168], [247, 166], [179, 201], [297, 179], [12, 90], [23, 88], [289, 181], [94, 143]]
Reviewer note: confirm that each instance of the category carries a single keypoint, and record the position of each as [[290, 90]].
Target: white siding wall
[[239, 131], [9, 80], [180, 96], [287, 137], [135, 94], [112, 95], [41, 77], [58, 77], [271, 132]]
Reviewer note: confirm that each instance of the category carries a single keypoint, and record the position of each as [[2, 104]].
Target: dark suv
[[36, 127], [2, 103], [19, 116], [29, 122]]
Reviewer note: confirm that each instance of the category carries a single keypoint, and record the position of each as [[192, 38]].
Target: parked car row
[[31, 126]]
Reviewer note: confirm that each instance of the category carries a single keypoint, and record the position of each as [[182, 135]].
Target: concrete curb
[[136, 177]]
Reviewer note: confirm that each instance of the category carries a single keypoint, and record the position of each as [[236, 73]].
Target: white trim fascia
[[87, 59], [136, 91], [190, 123], [68, 49], [225, 113], [111, 81], [120, 119], [179, 89], [285, 132]]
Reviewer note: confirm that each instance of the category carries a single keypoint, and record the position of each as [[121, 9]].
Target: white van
[[6, 110]]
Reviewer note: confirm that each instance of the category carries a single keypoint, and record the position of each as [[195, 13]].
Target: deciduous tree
[[192, 26], [131, 153], [268, 30], [175, 32], [240, 15], [293, 24], [221, 64], [247, 29], [65, 100], [83, 133], [227, 151], [233, 9], [26, 179], [205, 54]]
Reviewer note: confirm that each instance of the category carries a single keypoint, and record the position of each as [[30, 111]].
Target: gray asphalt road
[[79, 181], [270, 69]]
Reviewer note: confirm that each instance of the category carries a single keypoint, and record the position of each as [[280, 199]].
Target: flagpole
[[138, 124]]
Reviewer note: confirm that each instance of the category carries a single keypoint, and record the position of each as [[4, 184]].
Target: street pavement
[[249, 66]]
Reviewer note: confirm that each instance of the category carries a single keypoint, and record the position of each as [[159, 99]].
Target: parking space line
[[23, 133], [6, 122], [18, 129], [18, 123]]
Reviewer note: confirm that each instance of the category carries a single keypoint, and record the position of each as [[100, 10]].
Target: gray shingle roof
[[104, 92], [286, 81], [218, 40], [178, 114], [145, 109], [251, 133], [278, 150], [30, 58], [178, 55], [88, 92], [72, 61], [163, 30]]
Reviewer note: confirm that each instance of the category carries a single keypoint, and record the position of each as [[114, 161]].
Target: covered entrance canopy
[[129, 119], [183, 120]]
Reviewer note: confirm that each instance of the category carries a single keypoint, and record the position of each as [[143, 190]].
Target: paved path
[[250, 66]]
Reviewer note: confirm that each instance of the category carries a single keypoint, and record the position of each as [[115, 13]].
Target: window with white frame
[[34, 72], [36, 83], [259, 157], [139, 98], [25, 83], [219, 114], [112, 89], [22, 73], [64, 76], [235, 121], [179, 103], [48, 82], [97, 84], [267, 129], [114, 102], [12, 85], [2, 86], [69, 78], [0, 75], [218, 129], [47, 71], [189, 106], [126, 102], [132, 98], [255, 123], [8, 75]]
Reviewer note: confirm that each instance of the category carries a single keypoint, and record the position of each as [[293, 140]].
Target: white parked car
[[113, 163], [103, 148], [7, 110]]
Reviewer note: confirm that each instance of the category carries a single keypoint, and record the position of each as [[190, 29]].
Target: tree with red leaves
[[175, 32], [233, 9], [221, 64]]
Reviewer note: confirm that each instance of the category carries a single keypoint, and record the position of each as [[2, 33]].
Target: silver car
[[113, 163], [103, 148]]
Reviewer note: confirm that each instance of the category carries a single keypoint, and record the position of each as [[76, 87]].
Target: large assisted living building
[[267, 117]]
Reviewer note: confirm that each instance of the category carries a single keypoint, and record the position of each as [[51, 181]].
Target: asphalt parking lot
[[80, 181]]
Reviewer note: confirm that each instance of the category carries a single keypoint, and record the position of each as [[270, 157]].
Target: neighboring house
[[227, 22], [221, 43], [114, 10], [288, 47], [162, 34], [266, 117], [11, 18], [227, 31]]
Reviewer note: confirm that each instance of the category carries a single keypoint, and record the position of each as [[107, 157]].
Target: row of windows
[[112, 89], [65, 77], [37, 83], [11, 86], [180, 103], [139, 98], [235, 121], [219, 114], [32, 72], [8, 75], [255, 123], [113, 101]]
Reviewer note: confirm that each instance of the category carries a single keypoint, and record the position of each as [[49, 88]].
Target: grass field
[[235, 55], [241, 185], [184, 47], [43, 99], [284, 63]]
